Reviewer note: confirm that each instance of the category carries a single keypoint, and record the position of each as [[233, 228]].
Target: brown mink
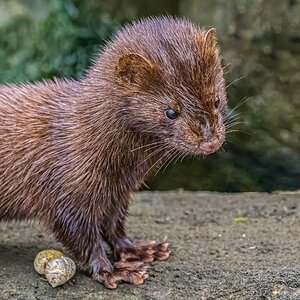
[[71, 152]]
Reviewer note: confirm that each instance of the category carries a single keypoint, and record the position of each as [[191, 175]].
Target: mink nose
[[210, 146]]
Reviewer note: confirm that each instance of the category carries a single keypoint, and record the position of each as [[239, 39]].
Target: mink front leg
[[80, 233], [126, 249]]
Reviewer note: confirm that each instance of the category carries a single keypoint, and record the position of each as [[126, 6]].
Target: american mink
[[71, 152]]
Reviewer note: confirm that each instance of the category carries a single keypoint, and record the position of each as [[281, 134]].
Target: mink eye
[[217, 102], [171, 113]]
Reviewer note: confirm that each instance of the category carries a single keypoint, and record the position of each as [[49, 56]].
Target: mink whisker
[[234, 81], [161, 149], [177, 151], [239, 104], [168, 159], [159, 160], [144, 146]]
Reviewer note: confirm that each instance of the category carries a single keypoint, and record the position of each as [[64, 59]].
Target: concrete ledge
[[214, 255]]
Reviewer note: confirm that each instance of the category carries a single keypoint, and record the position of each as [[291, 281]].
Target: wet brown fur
[[71, 152]]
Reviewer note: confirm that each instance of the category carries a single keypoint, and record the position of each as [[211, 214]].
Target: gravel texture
[[225, 246]]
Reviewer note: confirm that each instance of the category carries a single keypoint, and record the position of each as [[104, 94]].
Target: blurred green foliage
[[260, 42], [55, 38]]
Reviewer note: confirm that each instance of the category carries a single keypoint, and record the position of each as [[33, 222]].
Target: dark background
[[260, 43]]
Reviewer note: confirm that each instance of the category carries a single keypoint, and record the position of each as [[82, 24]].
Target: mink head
[[169, 83]]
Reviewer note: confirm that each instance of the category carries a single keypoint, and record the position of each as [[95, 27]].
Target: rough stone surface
[[215, 254]]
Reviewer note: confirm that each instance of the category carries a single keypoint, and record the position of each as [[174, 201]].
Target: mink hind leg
[[83, 238], [127, 249]]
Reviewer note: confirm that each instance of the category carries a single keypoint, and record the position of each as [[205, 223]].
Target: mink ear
[[211, 37], [133, 69]]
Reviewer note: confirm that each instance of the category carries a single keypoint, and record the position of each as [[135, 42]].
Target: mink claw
[[132, 272], [146, 251]]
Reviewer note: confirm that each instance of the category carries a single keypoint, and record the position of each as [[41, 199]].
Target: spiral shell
[[42, 259], [60, 270]]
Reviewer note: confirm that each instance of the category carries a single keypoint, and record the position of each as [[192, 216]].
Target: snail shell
[[60, 270], [42, 259]]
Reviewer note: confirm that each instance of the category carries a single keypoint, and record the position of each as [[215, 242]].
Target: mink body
[[71, 152]]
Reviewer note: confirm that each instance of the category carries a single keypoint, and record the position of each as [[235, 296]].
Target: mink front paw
[[146, 251], [134, 272]]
